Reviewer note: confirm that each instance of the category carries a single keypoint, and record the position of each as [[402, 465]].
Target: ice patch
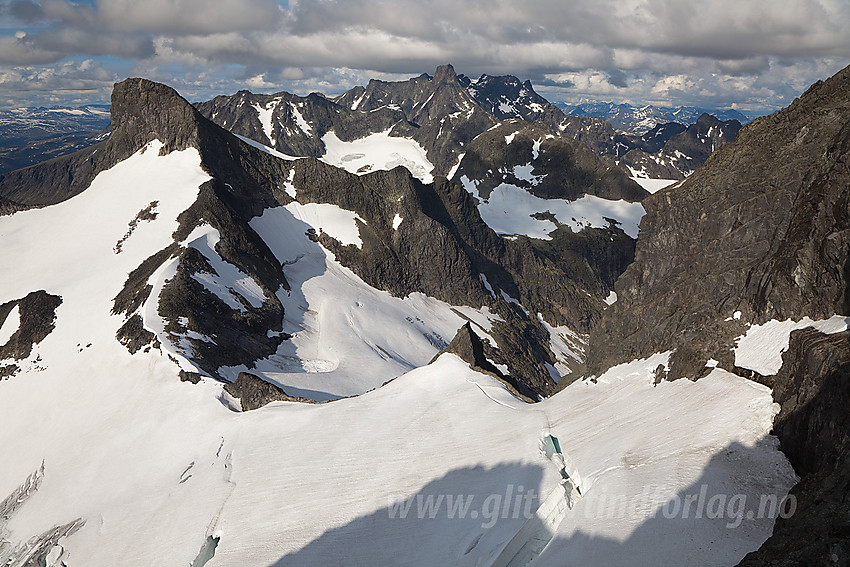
[[654, 185], [397, 221], [299, 119], [263, 147], [264, 113], [567, 346], [453, 170], [288, 185], [523, 172]]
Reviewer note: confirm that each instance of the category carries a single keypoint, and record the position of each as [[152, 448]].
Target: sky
[[752, 55]]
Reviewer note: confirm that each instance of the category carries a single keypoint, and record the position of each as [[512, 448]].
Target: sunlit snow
[[509, 211], [378, 151], [761, 348]]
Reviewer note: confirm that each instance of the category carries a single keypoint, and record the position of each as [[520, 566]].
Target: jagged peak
[[445, 73]]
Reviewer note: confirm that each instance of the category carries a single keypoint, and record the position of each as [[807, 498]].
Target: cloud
[[618, 78], [27, 11], [753, 53]]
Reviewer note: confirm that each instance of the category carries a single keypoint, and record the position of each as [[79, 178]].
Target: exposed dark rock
[[37, 312], [683, 152], [813, 388], [469, 347], [440, 114], [289, 113], [562, 168], [763, 228], [186, 376], [237, 336], [435, 111], [134, 336], [136, 288], [254, 392], [507, 97], [8, 207], [9, 370], [441, 249]]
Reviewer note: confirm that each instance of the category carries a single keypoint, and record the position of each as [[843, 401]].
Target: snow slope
[[348, 336], [378, 151], [155, 466]]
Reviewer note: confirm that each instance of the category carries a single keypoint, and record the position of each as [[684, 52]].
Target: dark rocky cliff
[[763, 228]]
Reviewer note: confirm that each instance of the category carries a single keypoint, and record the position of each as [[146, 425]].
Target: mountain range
[[638, 120], [667, 151], [434, 321]]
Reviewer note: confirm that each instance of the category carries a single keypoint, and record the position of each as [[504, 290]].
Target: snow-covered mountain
[[638, 120], [216, 353], [439, 116], [672, 151]]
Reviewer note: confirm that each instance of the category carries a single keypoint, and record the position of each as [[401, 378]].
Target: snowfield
[[155, 466], [509, 211], [378, 151], [761, 347], [654, 185], [348, 337]]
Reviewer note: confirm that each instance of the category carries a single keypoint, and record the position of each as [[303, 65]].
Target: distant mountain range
[[645, 142], [33, 135], [638, 120]]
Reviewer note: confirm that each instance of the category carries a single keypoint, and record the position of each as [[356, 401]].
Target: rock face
[[564, 168], [440, 114], [8, 207], [446, 112], [442, 248], [764, 229], [437, 112], [669, 150], [813, 387]]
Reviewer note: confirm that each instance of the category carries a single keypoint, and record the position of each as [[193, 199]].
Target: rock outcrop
[[254, 392]]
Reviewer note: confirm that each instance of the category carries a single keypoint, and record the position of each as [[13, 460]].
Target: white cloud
[[760, 52]]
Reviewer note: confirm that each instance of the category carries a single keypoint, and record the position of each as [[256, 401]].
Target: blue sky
[[754, 55]]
